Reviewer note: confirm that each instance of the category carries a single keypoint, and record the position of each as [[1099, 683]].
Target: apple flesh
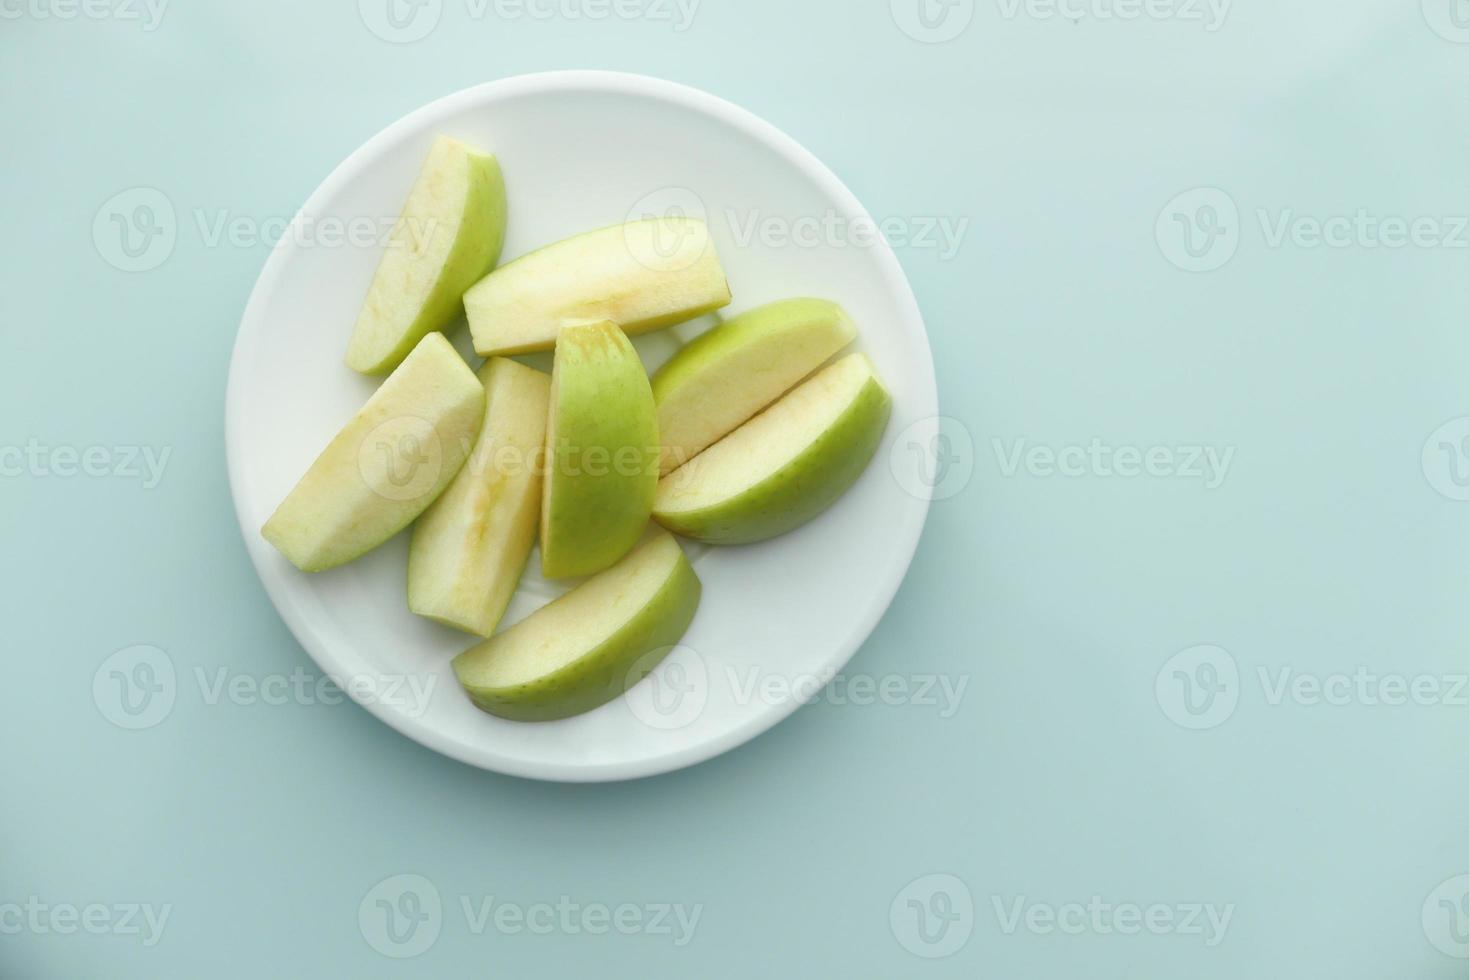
[[721, 379], [471, 546], [643, 275], [592, 644], [601, 449], [387, 465], [449, 234], [784, 466]]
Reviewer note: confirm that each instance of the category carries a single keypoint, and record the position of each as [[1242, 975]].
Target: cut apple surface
[[590, 645], [471, 546], [602, 452], [387, 465], [447, 237], [643, 275], [726, 375], [784, 466]]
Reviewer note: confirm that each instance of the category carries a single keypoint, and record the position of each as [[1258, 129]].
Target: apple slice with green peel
[[470, 547], [601, 450], [448, 236], [642, 275], [590, 645], [387, 465], [784, 466], [721, 379]]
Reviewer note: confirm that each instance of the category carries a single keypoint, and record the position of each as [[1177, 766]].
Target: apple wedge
[[387, 465], [470, 547], [721, 379], [447, 237], [602, 452], [643, 275], [590, 645], [784, 466]]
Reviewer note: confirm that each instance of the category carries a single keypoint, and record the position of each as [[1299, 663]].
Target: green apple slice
[[387, 465], [470, 547], [447, 237], [590, 645], [602, 452], [784, 466], [643, 275], [726, 375]]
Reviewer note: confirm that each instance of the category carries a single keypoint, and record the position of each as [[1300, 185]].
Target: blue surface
[[1083, 795]]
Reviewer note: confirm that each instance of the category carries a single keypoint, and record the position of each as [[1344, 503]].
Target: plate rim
[[415, 727]]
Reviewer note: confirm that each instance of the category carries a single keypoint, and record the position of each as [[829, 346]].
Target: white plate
[[581, 150]]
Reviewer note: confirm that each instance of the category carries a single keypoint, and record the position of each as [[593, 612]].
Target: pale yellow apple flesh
[[471, 546], [389, 463], [784, 466], [592, 644], [602, 452], [448, 235], [642, 275], [729, 373]]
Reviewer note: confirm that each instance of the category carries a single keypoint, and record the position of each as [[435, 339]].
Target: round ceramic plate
[[583, 150]]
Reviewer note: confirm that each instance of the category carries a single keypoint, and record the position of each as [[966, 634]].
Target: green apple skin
[[728, 374], [389, 463], [766, 497], [601, 449], [470, 547], [592, 644], [449, 235], [643, 275]]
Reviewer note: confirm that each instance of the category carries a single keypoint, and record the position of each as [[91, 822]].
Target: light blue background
[[1057, 599]]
